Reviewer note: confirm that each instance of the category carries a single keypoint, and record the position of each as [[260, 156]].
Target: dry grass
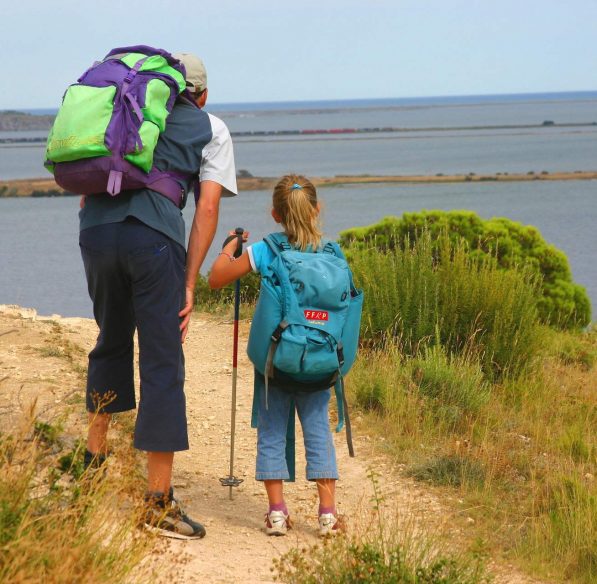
[[387, 544], [59, 523], [524, 463]]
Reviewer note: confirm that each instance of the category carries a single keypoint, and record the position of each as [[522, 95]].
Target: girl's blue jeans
[[312, 409]]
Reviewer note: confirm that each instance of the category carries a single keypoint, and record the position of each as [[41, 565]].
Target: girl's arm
[[225, 271]]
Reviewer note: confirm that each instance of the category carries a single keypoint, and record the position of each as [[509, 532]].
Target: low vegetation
[[386, 549], [521, 452], [355, 561], [561, 302], [60, 523], [474, 394], [218, 300]]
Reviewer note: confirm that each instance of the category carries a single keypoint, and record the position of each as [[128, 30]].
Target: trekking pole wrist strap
[[238, 235], [229, 256]]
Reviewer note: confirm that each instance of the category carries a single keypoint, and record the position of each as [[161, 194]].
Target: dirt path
[[43, 358]]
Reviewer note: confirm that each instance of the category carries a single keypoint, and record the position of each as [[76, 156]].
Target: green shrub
[[421, 400], [574, 348], [561, 303], [577, 443], [435, 293], [6, 191], [455, 385], [207, 298], [48, 434]]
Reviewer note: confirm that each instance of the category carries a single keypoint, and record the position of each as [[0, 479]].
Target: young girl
[[296, 208]]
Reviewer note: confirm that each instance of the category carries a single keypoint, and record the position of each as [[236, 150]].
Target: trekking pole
[[231, 481]]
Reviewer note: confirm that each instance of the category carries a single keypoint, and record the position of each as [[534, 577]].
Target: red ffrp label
[[316, 314]]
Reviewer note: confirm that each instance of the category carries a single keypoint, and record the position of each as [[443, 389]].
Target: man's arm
[[203, 230]]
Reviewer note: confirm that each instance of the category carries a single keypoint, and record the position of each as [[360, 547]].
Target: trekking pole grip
[[239, 246], [238, 235]]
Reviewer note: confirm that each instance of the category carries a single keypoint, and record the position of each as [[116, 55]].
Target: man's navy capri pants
[[136, 279]]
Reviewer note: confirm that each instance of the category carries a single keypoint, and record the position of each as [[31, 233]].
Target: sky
[[267, 50]]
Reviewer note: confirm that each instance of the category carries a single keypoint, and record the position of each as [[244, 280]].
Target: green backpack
[[106, 131]]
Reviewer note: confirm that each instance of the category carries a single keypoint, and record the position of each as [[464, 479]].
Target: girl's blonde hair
[[295, 201]]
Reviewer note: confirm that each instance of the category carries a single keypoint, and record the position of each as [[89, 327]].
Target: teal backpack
[[305, 331]]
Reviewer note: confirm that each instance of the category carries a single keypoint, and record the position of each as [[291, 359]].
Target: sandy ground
[[43, 359]]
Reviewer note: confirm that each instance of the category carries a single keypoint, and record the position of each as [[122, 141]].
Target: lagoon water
[[39, 260], [448, 152], [417, 151], [41, 266]]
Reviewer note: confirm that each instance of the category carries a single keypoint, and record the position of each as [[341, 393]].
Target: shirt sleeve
[[217, 156], [259, 256]]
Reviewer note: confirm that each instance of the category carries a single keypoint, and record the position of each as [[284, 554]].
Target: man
[[134, 256]]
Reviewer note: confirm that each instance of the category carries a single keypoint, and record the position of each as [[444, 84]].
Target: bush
[[420, 398], [454, 385], [575, 349], [435, 293], [561, 303], [207, 298]]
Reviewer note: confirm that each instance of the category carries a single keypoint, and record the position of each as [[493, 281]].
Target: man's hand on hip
[[185, 314]]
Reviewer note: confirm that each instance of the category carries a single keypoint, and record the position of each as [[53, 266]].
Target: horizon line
[[356, 99]]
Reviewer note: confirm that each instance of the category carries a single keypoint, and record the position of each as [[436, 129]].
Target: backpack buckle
[[277, 334], [340, 353]]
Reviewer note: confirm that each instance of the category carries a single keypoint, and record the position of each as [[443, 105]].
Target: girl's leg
[[327, 495], [321, 456], [272, 423], [275, 493], [271, 467], [319, 445], [277, 521]]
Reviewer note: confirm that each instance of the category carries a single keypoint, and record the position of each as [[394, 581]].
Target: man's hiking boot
[[330, 525], [94, 468], [93, 461], [165, 517], [277, 523]]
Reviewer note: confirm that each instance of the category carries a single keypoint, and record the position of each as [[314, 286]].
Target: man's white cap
[[196, 74]]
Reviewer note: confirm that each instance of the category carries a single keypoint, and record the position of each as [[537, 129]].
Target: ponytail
[[295, 201]]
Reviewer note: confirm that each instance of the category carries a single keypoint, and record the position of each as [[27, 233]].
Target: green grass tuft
[[452, 471]]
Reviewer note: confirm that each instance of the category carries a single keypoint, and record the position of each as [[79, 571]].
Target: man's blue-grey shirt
[[195, 143]]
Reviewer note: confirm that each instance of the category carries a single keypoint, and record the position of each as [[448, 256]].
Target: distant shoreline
[[27, 124], [46, 187]]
